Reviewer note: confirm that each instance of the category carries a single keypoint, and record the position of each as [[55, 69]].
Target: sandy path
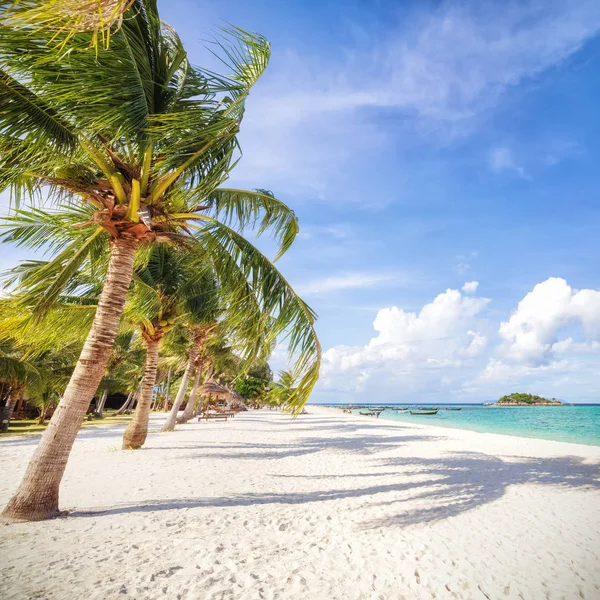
[[326, 507]]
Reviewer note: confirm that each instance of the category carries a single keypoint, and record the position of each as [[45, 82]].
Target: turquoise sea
[[579, 424]]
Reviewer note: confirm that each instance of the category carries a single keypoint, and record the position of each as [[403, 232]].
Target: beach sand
[[328, 506]]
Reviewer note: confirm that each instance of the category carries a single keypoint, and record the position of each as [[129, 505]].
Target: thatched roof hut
[[212, 388]]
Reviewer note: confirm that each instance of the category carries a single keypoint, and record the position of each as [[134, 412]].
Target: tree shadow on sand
[[357, 444], [463, 481], [455, 484]]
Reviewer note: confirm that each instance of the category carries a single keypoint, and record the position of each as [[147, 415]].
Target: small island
[[520, 399]]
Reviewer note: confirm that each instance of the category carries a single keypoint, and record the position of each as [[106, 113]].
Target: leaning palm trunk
[[190, 407], [137, 430], [10, 404], [125, 404], [100, 409], [37, 496], [166, 405], [189, 371]]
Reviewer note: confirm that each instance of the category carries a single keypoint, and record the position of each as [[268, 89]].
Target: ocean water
[[579, 424]]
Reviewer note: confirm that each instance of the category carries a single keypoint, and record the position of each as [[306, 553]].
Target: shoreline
[[455, 427], [314, 507], [459, 430]]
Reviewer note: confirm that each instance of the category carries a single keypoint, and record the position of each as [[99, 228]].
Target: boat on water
[[368, 413], [449, 408], [424, 412], [400, 409]]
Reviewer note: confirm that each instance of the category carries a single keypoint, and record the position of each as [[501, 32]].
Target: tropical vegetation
[[125, 147], [523, 398]]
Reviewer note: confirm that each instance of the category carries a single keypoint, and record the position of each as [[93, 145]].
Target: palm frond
[[237, 264], [42, 284], [26, 116], [246, 208]]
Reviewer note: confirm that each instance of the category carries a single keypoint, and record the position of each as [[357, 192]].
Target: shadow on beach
[[457, 484], [463, 481], [445, 486], [369, 444], [412, 490]]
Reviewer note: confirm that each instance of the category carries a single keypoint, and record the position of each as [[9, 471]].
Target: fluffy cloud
[[540, 326], [419, 349], [449, 349]]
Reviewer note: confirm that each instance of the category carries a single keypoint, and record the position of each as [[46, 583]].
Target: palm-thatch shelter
[[215, 390]]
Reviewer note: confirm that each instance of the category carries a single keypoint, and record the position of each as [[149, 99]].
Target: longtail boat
[[448, 408], [424, 412]]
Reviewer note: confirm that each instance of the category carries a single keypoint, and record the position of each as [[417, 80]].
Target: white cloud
[[470, 287], [411, 351], [549, 345], [344, 281], [536, 329], [501, 159], [440, 70]]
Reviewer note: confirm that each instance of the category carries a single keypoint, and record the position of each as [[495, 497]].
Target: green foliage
[[261, 369], [153, 141], [39, 355], [524, 399], [250, 387], [15, 371], [282, 391]]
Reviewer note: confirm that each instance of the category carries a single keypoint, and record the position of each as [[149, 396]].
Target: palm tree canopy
[[145, 155]]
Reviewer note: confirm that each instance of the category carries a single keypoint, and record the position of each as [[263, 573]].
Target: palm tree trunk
[[189, 371], [137, 430], [101, 403], [166, 407], [37, 495], [125, 404], [188, 413], [42, 418], [11, 403]]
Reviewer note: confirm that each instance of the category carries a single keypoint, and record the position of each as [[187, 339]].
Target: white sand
[[326, 507]]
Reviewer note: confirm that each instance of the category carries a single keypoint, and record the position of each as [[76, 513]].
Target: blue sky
[[423, 146]]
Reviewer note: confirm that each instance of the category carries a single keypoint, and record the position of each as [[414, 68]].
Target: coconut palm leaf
[[68, 16], [26, 116], [248, 278], [13, 368], [243, 208]]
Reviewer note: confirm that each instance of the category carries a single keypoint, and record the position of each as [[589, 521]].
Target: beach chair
[[212, 415]]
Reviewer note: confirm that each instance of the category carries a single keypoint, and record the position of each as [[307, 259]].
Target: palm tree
[[145, 153], [123, 365], [15, 373], [213, 355], [167, 288], [280, 392], [54, 370]]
